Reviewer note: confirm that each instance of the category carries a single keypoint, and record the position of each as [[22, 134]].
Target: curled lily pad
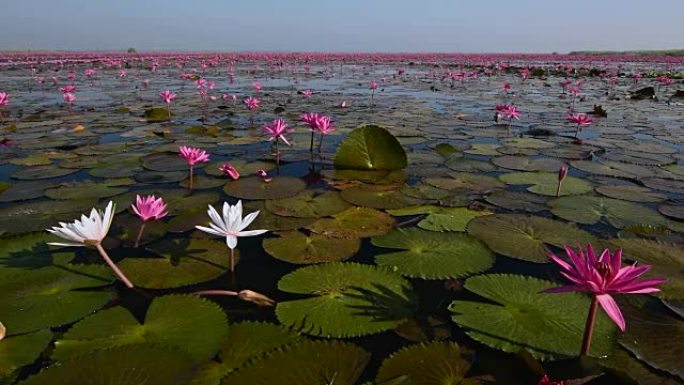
[[18, 351], [180, 262], [129, 365], [346, 300], [370, 148], [435, 363], [431, 255], [308, 362], [545, 183], [631, 193], [377, 197], [355, 222], [296, 247], [309, 204], [48, 297], [255, 188], [524, 237], [619, 213], [198, 330], [521, 316], [526, 163]]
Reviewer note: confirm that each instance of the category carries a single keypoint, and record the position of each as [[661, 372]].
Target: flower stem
[[217, 292], [558, 189], [140, 233], [232, 260], [113, 266], [312, 140], [191, 175], [168, 110], [589, 327], [320, 144]]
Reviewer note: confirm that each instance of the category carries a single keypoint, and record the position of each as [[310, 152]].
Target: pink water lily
[[580, 120], [602, 276], [4, 98], [230, 170], [192, 156], [167, 96], [277, 129], [148, 208]]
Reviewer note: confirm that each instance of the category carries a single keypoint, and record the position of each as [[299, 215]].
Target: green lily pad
[[86, 190], [309, 204], [441, 218], [473, 183], [371, 177], [422, 191], [128, 365], [296, 247], [626, 367], [156, 115], [631, 193], [524, 237], [164, 161], [346, 300], [24, 191], [203, 182], [526, 163], [244, 167], [273, 222], [672, 210], [370, 148], [161, 176], [41, 172], [47, 297], [355, 222], [198, 330], [522, 316], [591, 209], [431, 255], [518, 201], [655, 337], [435, 363], [545, 183], [615, 169], [180, 262], [469, 165], [377, 197], [255, 188], [485, 149], [662, 184], [309, 362], [18, 351], [529, 143]]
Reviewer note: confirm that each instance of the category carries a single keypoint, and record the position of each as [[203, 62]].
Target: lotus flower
[[149, 208], [230, 170], [69, 98], [580, 120], [602, 276], [230, 225], [276, 131], [192, 156], [4, 98], [90, 231]]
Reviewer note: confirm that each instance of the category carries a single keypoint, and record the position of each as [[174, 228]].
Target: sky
[[472, 26]]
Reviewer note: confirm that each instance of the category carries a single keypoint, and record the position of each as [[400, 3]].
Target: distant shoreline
[[658, 52]]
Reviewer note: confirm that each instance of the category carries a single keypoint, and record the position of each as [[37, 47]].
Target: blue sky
[[343, 25]]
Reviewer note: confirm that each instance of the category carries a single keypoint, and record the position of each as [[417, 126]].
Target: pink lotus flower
[[256, 86], [602, 276], [192, 156], [580, 120], [149, 208], [252, 103], [167, 96], [229, 170], [264, 176], [69, 97], [512, 113], [277, 130], [344, 104], [4, 98], [122, 73], [506, 87], [67, 88], [373, 85], [307, 93]]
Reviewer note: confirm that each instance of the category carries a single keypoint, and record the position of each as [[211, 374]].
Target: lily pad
[[255, 188], [545, 183], [632, 193], [164, 161], [435, 363], [431, 255], [156, 115], [180, 262], [355, 222], [42, 172], [86, 190], [625, 366], [198, 330], [346, 300], [273, 222], [517, 201], [370, 148], [524, 237], [47, 297], [161, 176], [203, 182], [18, 351], [591, 209], [296, 247], [377, 197], [309, 204], [615, 169], [473, 183], [25, 191], [526, 163], [522, 316]]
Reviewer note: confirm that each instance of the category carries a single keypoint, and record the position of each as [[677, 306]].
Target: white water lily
[[85, 232], [231, 225], [90, 231]]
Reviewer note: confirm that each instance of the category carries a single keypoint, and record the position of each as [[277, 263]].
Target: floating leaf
[[370, 148], [273, 222], [431, 255], [156, 115], [615, 169], [296, 247], [469, 165], [309, 204], [619, 213], [524, 237], [631, 193], [42, 172], [85, 190], [473, 183], [526, 163], [199, 329], [180, 262], [518, 201], [18, 351], [626, 367], [355, 222], [166, 162], [347, 300], [255, 188], [436, 363], [377, 197], [545, 183], [549, 326]]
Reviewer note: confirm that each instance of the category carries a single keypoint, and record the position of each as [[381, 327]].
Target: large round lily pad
[[615, 169], [370, 148], [631, 193], [522, 316], [377, 197], [431, 255], [346, 300], [546, 183], [524, 237], [355, 222], [464, 181], [591, 209], [41, 172], [255, 188], [309, 204], [517, 200], [179, 262], [188, 323], [297, 247], [84, 191], [625, 366], [18, 351], [526, 163]]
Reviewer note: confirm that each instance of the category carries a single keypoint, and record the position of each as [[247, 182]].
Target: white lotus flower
[[89, 231], [232, 224]]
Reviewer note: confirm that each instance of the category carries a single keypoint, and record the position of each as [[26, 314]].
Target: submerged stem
[[113, 266], [589, 327]]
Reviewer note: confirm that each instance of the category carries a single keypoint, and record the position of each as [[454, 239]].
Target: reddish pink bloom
[[580, 119], [167, 96], [506, 86], [277, 130], [229, 170], [307, 93], [193, 155], [256, 86], [562, 173], [512, 113], [602, 276], [149, 208], [252, 103], [4, 98], [264, 176], [67, 88], [547, 381], [373, 85], [69, 97], [344, 104]]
